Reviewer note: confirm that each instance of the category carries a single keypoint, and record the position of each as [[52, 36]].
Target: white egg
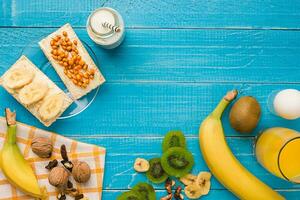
[[287, 103]]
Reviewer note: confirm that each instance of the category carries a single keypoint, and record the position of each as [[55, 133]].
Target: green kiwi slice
[[173, 139], [177, 161], [146, 191], [130, 195], [156, 173]]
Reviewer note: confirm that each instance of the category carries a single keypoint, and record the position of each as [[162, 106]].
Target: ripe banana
[[33, 92], [18, 77], [51, 107], [223, 164], [14, 166]]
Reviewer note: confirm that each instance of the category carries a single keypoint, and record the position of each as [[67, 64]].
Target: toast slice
[[66, 73], [22, 89]]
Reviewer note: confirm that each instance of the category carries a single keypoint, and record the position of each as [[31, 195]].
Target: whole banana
[[223, 164], [15, 168]]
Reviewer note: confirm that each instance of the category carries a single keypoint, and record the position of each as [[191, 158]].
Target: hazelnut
[[81, 172], [42, 147], [58, 177]]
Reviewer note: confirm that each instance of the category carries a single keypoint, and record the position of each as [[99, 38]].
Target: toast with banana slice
[[35, 91], [71, 61]]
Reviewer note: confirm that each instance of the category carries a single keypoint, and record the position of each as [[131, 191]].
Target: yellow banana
[[223, 164], [15, 168]]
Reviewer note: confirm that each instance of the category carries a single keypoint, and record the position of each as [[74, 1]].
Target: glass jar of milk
[[105, 27]]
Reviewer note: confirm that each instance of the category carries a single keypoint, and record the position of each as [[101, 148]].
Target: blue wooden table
[[177, 61]]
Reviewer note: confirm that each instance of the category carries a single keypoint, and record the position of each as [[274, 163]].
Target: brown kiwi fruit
[[245, 114]]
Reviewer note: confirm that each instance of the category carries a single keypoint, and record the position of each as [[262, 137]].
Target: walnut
[[42, 147], [58, 177], [81, 171]]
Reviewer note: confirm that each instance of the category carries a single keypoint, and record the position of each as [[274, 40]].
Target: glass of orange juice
[[278, 150]]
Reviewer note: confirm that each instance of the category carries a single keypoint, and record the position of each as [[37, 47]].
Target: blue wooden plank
[[119, 173], [164, 77], [167, 13], [213, 194], [154, 108], [180, 55]]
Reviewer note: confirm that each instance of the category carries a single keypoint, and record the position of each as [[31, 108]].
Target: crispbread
[[23, 61], [76, 92]]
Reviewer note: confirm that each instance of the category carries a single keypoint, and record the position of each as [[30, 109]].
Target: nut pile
[[65, 52], [177, 193], [60, 173]]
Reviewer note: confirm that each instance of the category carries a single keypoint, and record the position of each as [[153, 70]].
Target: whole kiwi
[[245, 114]]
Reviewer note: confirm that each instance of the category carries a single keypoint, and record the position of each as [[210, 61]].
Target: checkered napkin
[[93, 155]]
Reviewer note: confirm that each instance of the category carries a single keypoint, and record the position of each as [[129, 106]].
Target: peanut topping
[[66, 54], [65, 34]]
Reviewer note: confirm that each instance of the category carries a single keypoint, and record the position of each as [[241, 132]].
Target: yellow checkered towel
[[93, 155]]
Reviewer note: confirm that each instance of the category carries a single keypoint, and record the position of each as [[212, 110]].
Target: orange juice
[[278, 149]]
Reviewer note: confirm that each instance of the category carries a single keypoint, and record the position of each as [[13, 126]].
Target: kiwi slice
[[145, 190], [173, 139], [130, 195], [156, 173], [177, 161]]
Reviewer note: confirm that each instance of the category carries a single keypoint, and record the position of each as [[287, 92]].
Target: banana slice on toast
[[19, 77], [35, 91], [51, 107]]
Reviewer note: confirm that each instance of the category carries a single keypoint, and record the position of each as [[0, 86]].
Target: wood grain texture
[[213, 194], [120, 174], [157, 14], [178, 59], [151, 109], [232, 56]]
